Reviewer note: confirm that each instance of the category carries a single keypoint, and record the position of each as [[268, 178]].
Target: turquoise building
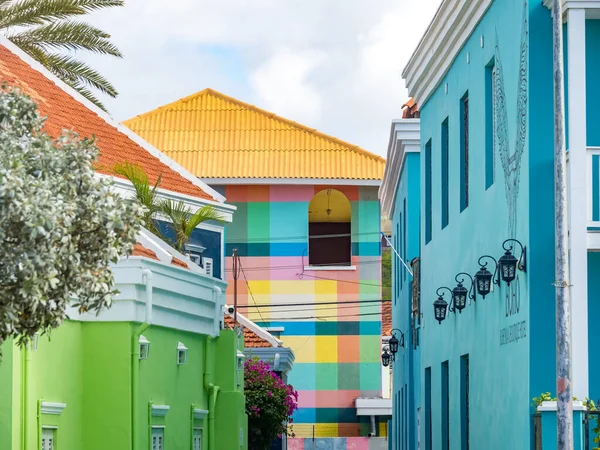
[[482, 77]]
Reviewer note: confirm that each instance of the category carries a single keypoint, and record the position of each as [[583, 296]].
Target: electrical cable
[[290, 319], [320, 309], [300, 266], [273, 305], [249, 290]]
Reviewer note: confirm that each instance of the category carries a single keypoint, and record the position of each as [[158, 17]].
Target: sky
[[333, 65]]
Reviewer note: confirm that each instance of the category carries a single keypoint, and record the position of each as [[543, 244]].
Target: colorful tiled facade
[[337, 356]]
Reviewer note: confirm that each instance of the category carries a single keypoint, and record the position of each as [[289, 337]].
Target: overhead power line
[[289, 319], [275, 305]]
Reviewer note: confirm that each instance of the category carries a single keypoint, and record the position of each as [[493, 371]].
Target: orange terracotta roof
[[411, 110], [65, 111], [140, 250], [386, 318], [216, 136], [251, 340]]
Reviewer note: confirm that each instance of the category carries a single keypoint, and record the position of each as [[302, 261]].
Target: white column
[[578, 192]]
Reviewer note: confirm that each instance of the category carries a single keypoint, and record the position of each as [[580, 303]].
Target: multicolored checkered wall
[[337, 347]]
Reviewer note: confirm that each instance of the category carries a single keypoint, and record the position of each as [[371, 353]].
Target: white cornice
[[404, 138], [450, 28], [54, 409], [589, 5], [110, 121], [302, 181]]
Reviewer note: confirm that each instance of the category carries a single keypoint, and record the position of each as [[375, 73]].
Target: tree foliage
[[60, 226], [386, 274], [270, 404], [47, 31], [183, 220]]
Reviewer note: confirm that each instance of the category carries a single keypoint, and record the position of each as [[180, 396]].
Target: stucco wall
[[499, 363], [337, 358]]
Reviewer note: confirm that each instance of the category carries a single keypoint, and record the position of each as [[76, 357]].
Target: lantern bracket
[[522, 260], [401, 340], [495, 273], [451, 304], [472, 292]]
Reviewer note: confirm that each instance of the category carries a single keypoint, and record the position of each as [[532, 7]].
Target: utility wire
[[274, 305], [267, 239], [301, 266], [249, 290], [321, 309], [290, 319], [304, 274]]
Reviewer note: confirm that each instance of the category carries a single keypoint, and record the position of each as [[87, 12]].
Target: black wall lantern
[[386, 358], [508, 264], [484, 278], [460, 294], [389, 353], [440, 306]]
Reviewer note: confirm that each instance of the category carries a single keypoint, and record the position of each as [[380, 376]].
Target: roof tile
[[63, 111], [217, 136], [386, 318], [251, 339]]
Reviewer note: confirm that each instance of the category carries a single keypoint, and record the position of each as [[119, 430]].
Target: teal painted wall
[[593, 314], [406, 380], [499, 368], [592, 68]]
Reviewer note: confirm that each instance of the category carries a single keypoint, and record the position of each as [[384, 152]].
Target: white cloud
[[334, 65]]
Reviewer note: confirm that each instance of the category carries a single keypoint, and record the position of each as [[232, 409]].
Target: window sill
[[329, 268]]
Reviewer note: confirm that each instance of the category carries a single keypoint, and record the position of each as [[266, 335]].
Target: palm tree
[[183, 220], [47, 31], [145, 194]]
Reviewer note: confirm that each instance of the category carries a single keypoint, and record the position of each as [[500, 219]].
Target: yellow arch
[[329, 205]]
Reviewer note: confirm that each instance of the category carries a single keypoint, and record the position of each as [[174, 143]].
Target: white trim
[[159, 410], [275, 329], [110, 121], [404, 138], [53, 409], [366, 406], [329, 268], [547, 406], [578, 193], [259, 331], [567, 5], [158, 427], [449, 30], [200, 414], [288, 181]]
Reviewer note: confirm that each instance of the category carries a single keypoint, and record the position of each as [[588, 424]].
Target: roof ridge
[[270, 114]]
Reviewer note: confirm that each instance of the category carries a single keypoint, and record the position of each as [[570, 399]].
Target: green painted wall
[[88, 367]]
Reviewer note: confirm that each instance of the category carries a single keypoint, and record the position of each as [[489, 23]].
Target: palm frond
[[37, 12], [67, 36], [204, 214]]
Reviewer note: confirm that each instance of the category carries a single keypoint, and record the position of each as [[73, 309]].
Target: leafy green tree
[[47, 31], [61, 226], [386, 274], [183, 220]]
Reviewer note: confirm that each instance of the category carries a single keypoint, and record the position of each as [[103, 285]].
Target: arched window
[[329, 229]]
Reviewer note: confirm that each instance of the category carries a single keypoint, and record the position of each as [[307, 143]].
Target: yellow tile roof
[[216, 136]]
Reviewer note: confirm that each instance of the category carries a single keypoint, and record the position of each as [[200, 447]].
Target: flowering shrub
[[270, 404]]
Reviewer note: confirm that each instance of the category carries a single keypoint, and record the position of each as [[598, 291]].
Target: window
[[428, 192], [445, 408], [404, 231], [48, 438], [428, 408], [464, 402], [490, 159], [445, 189], [400, 251], [158, 438], [208, 266], [329, 229], [464, 152], [197, 439]]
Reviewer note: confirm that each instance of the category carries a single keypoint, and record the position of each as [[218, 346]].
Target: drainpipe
[[135, 358], [209, 385], [373, 432], [25, 359]]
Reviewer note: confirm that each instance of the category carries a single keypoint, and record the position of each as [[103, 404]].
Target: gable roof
[[67, 109], [254, 335], [216, 136]]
